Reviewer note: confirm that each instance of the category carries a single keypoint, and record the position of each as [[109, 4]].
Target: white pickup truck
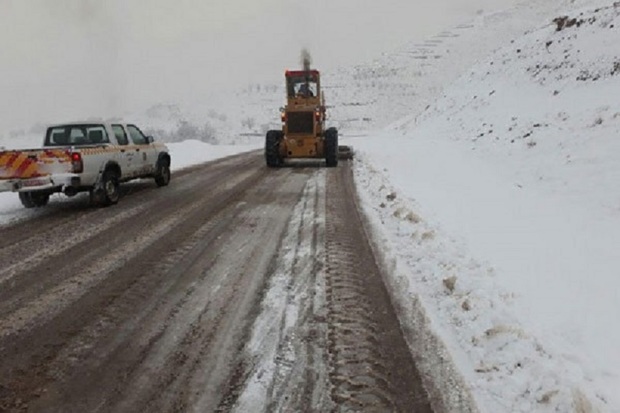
[[80, 157]]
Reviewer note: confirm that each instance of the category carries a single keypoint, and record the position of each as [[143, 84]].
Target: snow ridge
[[500, 211]]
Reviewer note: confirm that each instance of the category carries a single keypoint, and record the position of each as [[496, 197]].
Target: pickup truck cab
[[83, 157]]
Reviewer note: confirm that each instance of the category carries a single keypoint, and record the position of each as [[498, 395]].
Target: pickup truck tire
[[34, 199], [162, 176], [110, 185]]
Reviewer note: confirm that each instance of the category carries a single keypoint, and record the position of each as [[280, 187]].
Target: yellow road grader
[[303, 134]]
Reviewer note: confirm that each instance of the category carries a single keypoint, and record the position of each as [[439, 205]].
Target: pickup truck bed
[[33, 163]]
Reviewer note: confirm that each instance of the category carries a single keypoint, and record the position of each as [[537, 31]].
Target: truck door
[[126, 156], [145, 151]]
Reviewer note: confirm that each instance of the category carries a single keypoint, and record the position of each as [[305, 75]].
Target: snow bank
[[500, 203], [192, 152]]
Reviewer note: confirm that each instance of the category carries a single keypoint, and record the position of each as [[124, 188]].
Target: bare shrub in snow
[[428, 235], [546, 398], [581, 402], [398, 213], [450, 283], [164, 111], [413, 218], [185, 130], [565, 22], [208, 133], [248, 123], [486, 369], [504, 329], [212, 114]]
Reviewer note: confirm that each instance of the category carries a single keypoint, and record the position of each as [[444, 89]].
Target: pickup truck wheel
[[34, 199], [162, 177], [110, 185]]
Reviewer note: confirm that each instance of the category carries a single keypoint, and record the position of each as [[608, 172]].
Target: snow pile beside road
[[501, 209], [193, 152]]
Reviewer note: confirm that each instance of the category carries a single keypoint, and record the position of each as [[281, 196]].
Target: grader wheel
[[331, 147], [272, 146]]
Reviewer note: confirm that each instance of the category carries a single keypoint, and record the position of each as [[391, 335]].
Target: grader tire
[[272, 148], [331, 147]]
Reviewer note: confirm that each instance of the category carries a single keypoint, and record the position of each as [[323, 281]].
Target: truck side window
[[137, 136], [120, 134]]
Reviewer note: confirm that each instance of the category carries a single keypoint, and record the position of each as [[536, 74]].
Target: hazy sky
[[64, 59]]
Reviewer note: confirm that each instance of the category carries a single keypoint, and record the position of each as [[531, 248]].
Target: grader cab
[[304, 133]]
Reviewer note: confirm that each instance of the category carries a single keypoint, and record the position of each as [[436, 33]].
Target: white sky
[[66, 59]]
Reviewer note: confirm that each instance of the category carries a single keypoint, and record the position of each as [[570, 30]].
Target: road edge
[[447, 388]]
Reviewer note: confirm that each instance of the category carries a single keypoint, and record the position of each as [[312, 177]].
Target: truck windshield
[[76, 135]]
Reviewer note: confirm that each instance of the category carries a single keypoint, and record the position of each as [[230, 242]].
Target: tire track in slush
[[198, 304], [285, 356], [328, 339], [371, 366], [97, 313], [299, 368], [258, 294], [22, 248], [89, 267], [195, 351]]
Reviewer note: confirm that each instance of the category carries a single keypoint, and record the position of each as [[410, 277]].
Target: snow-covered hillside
[[500, 209]]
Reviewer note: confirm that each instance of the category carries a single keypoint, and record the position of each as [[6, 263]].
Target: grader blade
[[345, 152]]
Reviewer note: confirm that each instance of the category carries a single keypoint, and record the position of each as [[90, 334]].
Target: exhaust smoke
[[306, 59]]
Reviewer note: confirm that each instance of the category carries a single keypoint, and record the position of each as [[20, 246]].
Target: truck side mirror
[[149, 139]]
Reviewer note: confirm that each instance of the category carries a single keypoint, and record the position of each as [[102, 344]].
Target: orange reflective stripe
[[21, 164], [18, 161], [4, 159], [11, 161], [31, 170], [16, 164]]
